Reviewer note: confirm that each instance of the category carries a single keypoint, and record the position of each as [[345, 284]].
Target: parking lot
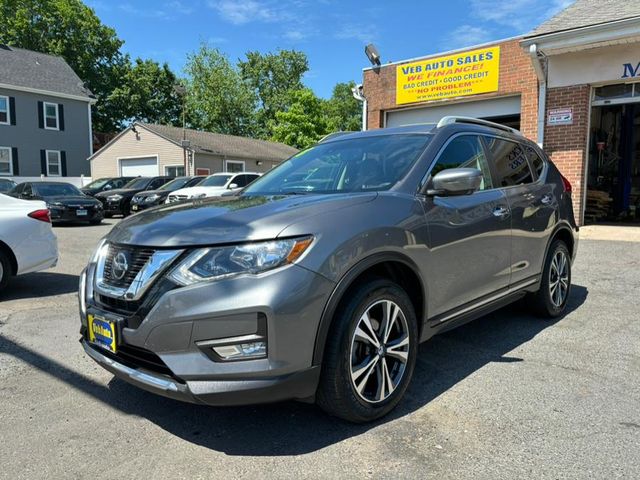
[[508, 396]]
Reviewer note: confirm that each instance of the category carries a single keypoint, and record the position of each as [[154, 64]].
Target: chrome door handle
[[546, 200], [500, 212]]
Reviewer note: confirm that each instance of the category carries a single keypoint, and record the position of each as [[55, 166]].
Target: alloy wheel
[[559, 278], [379, 351]]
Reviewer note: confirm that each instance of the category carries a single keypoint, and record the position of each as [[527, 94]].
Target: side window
[[465, 151], [240, 180], [251, 178], [157, 183], [534, 160], [510, 162]]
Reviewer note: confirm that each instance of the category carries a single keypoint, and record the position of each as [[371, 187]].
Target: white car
[[27, 242], [214, 186]]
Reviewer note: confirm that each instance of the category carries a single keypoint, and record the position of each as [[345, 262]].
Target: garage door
[[497, 107], [143, 167]]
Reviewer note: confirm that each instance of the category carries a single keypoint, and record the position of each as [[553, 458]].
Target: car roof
[[446, 124]]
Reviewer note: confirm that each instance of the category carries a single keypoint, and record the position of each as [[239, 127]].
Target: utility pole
[[182, 91]]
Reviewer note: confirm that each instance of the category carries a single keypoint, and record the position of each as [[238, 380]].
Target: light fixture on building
[[258, 162], [373, 55]]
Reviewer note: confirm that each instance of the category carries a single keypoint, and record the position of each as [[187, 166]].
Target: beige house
[[148, 150]]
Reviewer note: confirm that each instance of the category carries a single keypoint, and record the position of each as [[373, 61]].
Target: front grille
[[142, 358], [136, 357], [118, 305], [136, 258]]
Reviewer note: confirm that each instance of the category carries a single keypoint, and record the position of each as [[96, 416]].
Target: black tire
[[6, 270], [541, 301], [95, 221], [337, 393], [107, 215]]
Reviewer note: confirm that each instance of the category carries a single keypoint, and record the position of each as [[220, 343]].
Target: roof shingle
[[225, 145], [29, 69], [584, 13]]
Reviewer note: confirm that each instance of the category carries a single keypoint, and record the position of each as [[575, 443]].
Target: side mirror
[[456, 181], [108, 187], [232, 186]]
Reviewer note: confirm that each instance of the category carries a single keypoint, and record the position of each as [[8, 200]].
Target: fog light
[[242, 351]]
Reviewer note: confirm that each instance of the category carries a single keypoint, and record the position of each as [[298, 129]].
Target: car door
[[469, 235], [531, 201]]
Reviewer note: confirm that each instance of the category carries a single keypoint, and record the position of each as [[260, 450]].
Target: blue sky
[[332, 33]]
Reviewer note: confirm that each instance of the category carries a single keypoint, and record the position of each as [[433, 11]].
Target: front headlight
[[207, 264], [101, 250], [115, 198], [152, 198]]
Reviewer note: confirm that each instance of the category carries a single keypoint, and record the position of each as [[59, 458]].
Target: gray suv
[[318, 281]]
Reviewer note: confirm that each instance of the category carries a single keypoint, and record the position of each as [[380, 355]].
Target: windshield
[[6, 185], [175, 184], [101, 182], [57, 190], [138, 183], [215, 181], [354, 165]]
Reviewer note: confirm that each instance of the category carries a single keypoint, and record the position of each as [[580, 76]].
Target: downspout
[[358, 94], [542, 89]]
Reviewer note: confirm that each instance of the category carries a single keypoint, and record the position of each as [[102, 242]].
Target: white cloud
[[352, 31], [178, 6], [521, 15], [240, 12], [466, 35]]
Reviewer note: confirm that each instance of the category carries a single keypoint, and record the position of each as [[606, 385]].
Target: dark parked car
[[65, 201], [321, 290], [118, 202], [153, 198], [105, 184], [6, 185]]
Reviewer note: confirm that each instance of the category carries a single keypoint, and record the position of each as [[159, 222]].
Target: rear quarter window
[[510, 162], [537, 164]]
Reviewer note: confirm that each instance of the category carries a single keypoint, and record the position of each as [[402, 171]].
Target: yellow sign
[[458, 75]]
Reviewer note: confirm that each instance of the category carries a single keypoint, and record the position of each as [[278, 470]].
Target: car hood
[[119, 191], [71, 200], [190, 191], [148, 193], [228, 220]]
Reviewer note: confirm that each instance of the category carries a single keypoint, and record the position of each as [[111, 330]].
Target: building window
[[51, 116], [6, 162], [4, 110], [54, 165], [174, 170], [234, 166]]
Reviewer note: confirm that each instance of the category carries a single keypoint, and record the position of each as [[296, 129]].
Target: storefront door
[[613, 186]]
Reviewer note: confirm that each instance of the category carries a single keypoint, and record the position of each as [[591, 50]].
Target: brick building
[[572, 85]]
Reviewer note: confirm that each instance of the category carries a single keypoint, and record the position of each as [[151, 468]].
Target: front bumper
[[214, 393], [178, 326], [114, 207]]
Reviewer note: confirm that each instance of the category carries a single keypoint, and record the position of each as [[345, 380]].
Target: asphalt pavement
[[507, 396]]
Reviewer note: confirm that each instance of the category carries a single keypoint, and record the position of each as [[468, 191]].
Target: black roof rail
[[333, 135], [476, 121]]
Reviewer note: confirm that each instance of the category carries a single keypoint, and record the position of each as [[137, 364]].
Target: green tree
[[303, 123], [273, 77], [218, 99], [72, 30], [344, 111], [147, 93]]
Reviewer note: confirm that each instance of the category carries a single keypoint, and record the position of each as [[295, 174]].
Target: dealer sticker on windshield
[[102, 332]]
